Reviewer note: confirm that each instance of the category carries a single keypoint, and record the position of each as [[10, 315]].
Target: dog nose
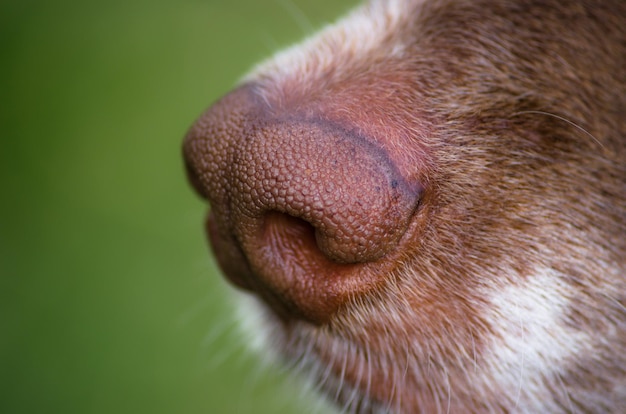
[[300, 207]]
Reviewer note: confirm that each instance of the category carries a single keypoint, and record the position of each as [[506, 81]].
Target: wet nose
[[300, 207]]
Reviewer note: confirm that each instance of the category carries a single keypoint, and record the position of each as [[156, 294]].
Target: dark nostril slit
[[287, 235], [296, 277]]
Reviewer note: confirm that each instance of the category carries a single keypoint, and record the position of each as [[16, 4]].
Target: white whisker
[[298, 16], [566, 392], [575, 125]]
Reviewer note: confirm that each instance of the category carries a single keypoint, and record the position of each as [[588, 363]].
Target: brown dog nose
[[301, 209]]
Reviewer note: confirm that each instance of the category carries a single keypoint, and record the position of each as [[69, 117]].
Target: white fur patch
[[255, 326], [264, 337], [323, 53], [532, 343]]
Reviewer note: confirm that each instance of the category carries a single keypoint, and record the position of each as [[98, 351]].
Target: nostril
[[288, 238], [346, 187], [289, 263]]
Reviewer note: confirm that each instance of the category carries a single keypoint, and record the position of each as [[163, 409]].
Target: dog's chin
[[503, 346], [368, 358], [331, 361]]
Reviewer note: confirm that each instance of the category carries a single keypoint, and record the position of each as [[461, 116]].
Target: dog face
[[428, 198]]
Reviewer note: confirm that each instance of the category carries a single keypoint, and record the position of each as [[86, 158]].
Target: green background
[[109, 301]]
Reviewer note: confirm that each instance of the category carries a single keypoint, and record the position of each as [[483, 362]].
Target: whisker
[[474, 351], [303, 22], [615, 301], [342, 375], [220, 329], [566, 392], [368, 359], [575, 125], [351, 401], [521, 373]]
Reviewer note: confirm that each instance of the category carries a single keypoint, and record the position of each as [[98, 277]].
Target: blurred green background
[[109, 301]]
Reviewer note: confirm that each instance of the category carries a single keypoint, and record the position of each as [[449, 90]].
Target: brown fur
[[434, 206]]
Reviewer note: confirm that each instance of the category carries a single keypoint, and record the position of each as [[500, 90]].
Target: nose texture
[[339, 184], [302, 209]]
